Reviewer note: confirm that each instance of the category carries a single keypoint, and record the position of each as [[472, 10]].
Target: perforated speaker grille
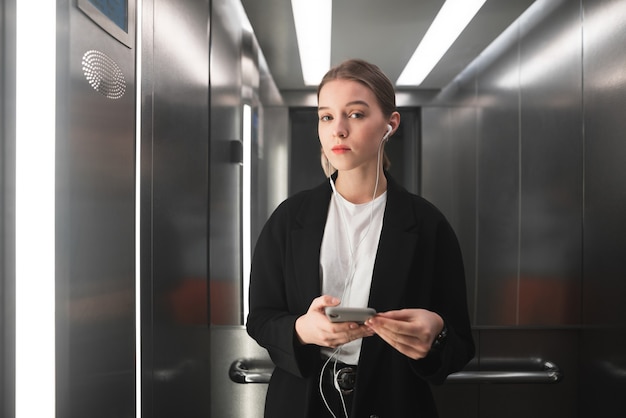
[[103, 74]]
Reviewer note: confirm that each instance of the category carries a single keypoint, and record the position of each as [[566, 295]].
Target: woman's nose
[[340, 130]]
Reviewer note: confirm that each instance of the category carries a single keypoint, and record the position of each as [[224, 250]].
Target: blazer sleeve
[[449, 300], [273, 307]]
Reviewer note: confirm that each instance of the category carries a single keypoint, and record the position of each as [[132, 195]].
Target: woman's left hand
[[410, 331]]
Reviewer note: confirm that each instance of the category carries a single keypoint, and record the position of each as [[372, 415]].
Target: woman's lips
[[340, 149]]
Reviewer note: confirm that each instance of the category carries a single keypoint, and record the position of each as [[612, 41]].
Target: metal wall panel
[[231, 399], [95, 213], [549, 289], [604, 311], [437, 165], [275, 157], [225, 174], [551, 199], [449, 177], [498, 192], [7, 207], [304, 150], [464, 222], [175, 161], [524, 400], [239, 76], [528, 167]]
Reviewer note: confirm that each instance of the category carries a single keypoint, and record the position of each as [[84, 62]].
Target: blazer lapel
[[392, 268], [307, 240], [396, 248]]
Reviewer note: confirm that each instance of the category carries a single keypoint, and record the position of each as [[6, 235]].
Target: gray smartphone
[[343, 314]]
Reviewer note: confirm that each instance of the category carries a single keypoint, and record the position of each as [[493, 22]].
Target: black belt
[[342, 376]]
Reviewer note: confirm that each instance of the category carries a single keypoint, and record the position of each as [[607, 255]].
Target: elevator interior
[[522, 151]]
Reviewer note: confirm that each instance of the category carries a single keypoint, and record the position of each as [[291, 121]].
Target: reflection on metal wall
[[239, 77], [174, 230], [449, 177], [551, 189], [604, 265], [225, 170], [95, 201], [546, 197]]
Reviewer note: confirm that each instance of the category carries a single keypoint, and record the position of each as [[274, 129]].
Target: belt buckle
[[345, 379]]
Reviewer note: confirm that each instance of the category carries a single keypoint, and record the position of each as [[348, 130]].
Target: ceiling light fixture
[[451, 20], [313, 21]]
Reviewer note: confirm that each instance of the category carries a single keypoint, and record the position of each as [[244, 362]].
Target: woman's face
[[351, 125]]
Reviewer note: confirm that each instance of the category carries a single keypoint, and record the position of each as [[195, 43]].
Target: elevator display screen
[[117, 17], [116, 10]]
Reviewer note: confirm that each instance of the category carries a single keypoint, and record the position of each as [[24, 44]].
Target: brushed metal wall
[[526, 141], [551, 156], [449, 176], [603, 374], [239, 76], [174, 201], [7, 207], [95, 219], [225, 173]]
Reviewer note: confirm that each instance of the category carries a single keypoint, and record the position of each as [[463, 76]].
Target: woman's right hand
[[315, 328]]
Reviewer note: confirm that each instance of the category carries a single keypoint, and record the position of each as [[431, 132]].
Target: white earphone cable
[[350, 275]]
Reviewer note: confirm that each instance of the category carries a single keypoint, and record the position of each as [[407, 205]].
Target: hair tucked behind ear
[[326, 165]]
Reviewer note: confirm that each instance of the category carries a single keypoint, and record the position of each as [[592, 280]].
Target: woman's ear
[[394, 121]]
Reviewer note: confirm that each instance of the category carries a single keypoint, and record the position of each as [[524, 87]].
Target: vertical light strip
[[138, 80], [35, 391], [313, 21], [451, 20], [246, 205]]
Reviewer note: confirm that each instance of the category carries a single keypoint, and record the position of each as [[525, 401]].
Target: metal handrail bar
[[531, 370]]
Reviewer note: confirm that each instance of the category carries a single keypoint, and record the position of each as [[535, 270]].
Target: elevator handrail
[[525, 370], [250, 371], [531, 370]]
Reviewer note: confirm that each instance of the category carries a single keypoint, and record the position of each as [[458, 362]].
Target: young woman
[[358, 240]]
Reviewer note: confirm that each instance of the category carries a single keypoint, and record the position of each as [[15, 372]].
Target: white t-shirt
[[347, 257]]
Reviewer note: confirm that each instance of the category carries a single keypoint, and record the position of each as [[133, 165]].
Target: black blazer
[[418, 265]]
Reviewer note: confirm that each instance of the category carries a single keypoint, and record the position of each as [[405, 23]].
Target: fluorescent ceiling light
[[313, 26], [447, 26]]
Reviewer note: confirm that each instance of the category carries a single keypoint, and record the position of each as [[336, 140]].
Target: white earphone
[[386, 136]]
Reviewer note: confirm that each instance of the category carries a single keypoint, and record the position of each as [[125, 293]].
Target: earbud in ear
[[389, 129]]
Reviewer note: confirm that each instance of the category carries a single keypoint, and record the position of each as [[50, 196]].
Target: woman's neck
[[358, 187]]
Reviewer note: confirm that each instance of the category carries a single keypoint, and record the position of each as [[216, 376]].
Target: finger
[[400, 315], [328, 300], [405, 340], [414, 349], [321, 302], [347, 332], [380, 323], [398, 338]]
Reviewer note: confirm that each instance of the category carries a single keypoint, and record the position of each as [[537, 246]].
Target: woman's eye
[[325, 118], [356, 115]]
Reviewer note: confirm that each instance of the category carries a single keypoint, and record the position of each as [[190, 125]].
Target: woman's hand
[[315, 328], [410, 331]]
